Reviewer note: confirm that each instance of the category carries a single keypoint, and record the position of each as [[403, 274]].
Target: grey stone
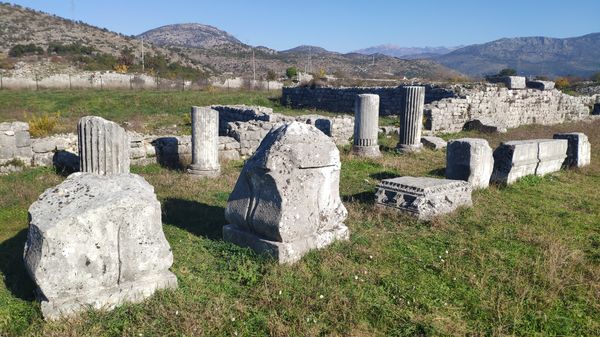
[[411, 119], [103, 146], [423, 197], [551, 154], [516, 159], [434, 143], [43, 145], [226, 155], [42, 159], [471, 160], [366, 121], [515, 82], [286, 200], [8, 146], [579, 149], [205, 142], [540, 85], [22, 139], [96, 241]]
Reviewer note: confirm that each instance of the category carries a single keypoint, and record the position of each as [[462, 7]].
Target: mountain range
[[217, 52]]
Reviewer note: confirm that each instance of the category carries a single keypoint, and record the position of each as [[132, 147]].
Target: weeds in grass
[[43, 125]]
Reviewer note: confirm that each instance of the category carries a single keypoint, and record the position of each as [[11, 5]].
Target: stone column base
[[284, 252], [197, 172], [404, 148], [366, 151]]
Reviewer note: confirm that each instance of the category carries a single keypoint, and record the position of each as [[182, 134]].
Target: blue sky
[[343, 25]]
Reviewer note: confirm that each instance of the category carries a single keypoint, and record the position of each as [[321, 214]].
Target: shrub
[[69, 49], [43, 125], [562, 83], [25, 49], [596, 77], [120, 68], [291, 72], [271, 75], [507, 72]]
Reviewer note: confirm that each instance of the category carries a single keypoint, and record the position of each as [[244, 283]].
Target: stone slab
[[434, 143], [423, 197], [540, 85], [551, 154], [471, 160], [579, 149], [515, 82]]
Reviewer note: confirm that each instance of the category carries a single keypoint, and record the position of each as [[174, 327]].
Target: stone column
[[366, 121], [411, 118], [103, 146], [205, 142]]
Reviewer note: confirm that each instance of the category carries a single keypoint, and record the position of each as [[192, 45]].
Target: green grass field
[[525, 260]]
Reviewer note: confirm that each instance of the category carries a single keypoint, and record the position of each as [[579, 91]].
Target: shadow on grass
[[384, 175], [16, 278], [439, 172], [197, 218], [367, 197]]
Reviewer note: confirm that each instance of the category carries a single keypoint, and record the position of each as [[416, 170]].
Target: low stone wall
[[342, 99], [242, 130], [504, 108]]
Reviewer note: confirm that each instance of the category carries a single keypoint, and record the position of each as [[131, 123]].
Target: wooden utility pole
[[253, 66], [142, 54]]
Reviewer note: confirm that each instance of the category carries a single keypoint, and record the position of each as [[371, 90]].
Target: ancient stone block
[[22, 139], [96, 241], [513, 160], [540, 85], [471, 160], [103, 146], [551, 154], [434, 143], [516, 159], [515, 82], [579, 149], [286, 200], [205, 142], [423, 197]]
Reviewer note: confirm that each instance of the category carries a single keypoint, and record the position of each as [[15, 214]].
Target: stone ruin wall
[[498, 106], [242, 128], [342, 99]]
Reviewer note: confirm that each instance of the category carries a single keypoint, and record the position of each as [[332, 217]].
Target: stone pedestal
[[471, 160], [411, 119], [286, 200], [96, 241], [205, 142], [423, 197], [366, 125], [515, 82], [579, 149], [103, 146]]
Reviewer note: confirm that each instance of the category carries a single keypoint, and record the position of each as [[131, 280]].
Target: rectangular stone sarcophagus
[[423, 197]]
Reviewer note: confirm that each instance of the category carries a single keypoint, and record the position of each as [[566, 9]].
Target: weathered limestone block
[[515, 159], [96, 241], [423, 197], [434, 143], [286, 200], [579, 149], [515, 82], [205, 142], [366, 121], [471, 160], [103, 146], [411, 119], [541, 85], [551, 154]]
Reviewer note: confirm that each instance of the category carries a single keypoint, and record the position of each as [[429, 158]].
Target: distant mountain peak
[[193, 35], [405, 52]]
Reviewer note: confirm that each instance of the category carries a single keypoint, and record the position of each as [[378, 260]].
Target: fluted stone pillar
[[103, 146], [411, 118], [205, 142], [366, 125]]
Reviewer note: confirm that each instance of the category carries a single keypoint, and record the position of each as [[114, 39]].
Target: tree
[[291, 72], [25, 49], [507, 72], [271, 75]]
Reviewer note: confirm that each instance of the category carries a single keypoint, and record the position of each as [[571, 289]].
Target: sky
[[343, 26]]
